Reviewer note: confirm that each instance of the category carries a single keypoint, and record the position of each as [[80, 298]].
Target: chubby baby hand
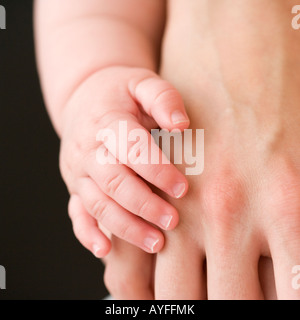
[[113, 187]]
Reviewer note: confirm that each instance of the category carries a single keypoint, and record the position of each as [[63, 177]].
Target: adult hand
[[245, 207]]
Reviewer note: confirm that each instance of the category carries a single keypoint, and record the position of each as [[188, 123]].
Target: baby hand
[[128, 270], [116, 195]]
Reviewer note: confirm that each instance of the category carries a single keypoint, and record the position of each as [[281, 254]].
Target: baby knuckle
[[113, 183], [125, 232], [71, 158], [64, 167], [106, 120], [132, 148], [79, 231], [99, 210], [143, 208], [83, 149], [82, 144], [168, 94], [137, 150], [158, 173], [68, 175]]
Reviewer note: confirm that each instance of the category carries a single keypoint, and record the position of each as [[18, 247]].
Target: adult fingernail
[[178, 117], [150, 243], [178, 190]]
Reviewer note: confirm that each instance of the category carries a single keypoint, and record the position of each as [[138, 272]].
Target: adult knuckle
[[224, 200], [284, 196]]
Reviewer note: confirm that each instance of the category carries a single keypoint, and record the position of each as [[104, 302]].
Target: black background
[[42, 257]]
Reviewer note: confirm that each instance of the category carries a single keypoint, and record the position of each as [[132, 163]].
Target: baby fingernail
[[178, 190], [150, 243], [97, 251], [165, 221], [178, 117]]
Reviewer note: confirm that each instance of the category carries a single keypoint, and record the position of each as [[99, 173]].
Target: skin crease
[[241, 215], [244, 91], [96, 63], [235, 65]]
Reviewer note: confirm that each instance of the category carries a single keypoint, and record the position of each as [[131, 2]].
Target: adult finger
[[286, 260], [232, 270], [128, 272], [179, 271]]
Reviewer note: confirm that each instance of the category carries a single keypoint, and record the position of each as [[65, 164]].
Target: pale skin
[[235, 67], [86, 90]]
